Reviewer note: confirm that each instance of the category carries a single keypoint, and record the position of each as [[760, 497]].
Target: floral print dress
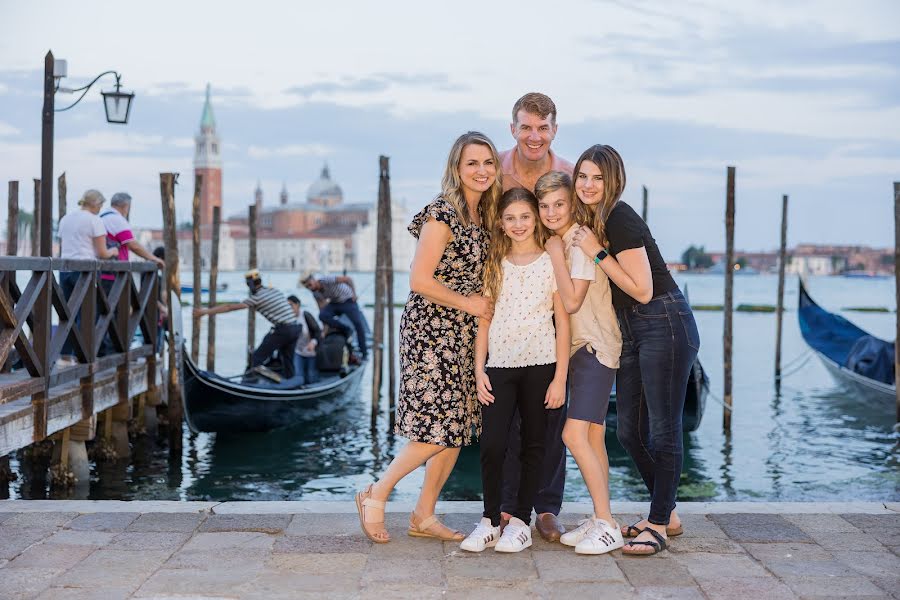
[[438, 402]]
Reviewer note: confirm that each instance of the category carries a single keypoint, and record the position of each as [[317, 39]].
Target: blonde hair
[[559, 180], [501, 244], [451, 185], [91, 198], [613, 170]]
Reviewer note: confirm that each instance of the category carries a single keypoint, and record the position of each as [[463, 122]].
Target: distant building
[[816, 259]]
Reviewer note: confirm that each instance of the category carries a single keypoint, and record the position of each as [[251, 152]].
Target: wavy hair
[[500, 242], [613, 170], [558, 180], [451, 185]]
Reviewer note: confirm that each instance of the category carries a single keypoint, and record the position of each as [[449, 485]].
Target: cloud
[[258, 152], [8, 130], [375, 84]]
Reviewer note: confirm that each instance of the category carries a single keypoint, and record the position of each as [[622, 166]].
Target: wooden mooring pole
[[897, 289], [173, 295], [388, 260], [644, 208], [36, 220], [251, 263], [12, 219], [380, 281], [729, 298], [61, 184], [779, 307], [195, 267], [213, 282]]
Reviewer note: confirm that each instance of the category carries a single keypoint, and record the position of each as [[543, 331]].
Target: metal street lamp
[[118, 108]]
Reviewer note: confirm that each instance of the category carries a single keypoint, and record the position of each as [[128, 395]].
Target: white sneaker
[[516, 537], [571, 538], [601, 538], [484, 536]]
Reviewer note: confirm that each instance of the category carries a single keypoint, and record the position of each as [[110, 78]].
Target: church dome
[[325, 189]]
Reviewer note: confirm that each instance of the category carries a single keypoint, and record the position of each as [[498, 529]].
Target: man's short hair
[[308, 276], [294, 299], [536, 104], [120, 199]]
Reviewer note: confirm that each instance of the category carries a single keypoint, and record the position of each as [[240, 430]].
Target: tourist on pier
[[521, 360], [81, 236], [337, 296], [659, 341], [305, 350], [437, 409], [534, 127], [272, 305], [593, 357]]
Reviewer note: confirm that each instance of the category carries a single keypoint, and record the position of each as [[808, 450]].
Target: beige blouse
[[521, 332]]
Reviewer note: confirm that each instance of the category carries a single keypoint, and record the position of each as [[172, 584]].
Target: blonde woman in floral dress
[[438, 407]]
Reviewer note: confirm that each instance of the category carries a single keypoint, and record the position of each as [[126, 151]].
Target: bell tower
[[208, 163]]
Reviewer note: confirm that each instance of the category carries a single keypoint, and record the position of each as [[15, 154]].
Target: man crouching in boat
[[336, 296], [271, 304]]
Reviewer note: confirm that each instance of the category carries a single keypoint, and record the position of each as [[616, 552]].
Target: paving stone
[[120, 568], [699, 526], [25, 583], [51, 556], [404, 546], [155, 540], [6, 515], [318, 564], [570, 567], [14, 540], [810, 523], [401, 591], [229, 539], [40, 520], [183, 522], [731, 588], [95, 593], [880, 564], [834, 587], [464, 522], [799, 567], [604, 591], [223, 558], [670, 593], [847, 542], [321, 544], [175, 582], [257, 523], [324, 524], [278, 585], [102, 521], [889, 536], [685, 543], [787, 550], [654, 570], [489, 566], [759, 528], [403, 570], [498, 590], [714, 565], [868, 522], [80, 538]]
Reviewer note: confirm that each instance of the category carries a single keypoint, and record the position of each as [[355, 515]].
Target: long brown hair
[[451, 185], [500, 242], [613, 170]]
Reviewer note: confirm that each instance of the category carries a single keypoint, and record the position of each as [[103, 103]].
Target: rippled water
[[814, 442]]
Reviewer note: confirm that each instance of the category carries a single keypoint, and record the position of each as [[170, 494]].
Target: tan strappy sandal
[[364, 500], [420, 530]]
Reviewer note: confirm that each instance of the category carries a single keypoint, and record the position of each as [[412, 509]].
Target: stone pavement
[[111, 550]]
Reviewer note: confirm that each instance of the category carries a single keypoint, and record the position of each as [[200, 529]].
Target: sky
[[803, 98]]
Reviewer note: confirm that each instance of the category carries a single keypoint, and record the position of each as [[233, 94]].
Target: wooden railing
[[26, 325]]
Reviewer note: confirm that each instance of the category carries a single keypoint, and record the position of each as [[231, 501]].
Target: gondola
[[855, 359], [215, 403], [694, 400]]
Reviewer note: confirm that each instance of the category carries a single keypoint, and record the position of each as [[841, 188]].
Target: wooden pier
[[38, 396]]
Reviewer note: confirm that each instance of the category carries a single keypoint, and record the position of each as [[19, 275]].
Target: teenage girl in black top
[[659, 341]]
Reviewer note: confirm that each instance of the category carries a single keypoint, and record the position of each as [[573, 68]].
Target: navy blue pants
[[659, 345], [306, 366], [67, 281], [330, 313]]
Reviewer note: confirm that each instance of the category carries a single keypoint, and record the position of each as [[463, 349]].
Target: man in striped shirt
[[272, 305], [336, 296]]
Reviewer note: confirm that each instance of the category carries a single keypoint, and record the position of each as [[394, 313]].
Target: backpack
[[332, 352]]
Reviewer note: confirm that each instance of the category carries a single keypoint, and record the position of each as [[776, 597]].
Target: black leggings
[[524, 388]]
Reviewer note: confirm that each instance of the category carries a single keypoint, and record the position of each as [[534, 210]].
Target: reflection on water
[[813, 441]]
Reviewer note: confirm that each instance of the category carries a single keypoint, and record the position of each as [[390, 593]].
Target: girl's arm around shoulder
[[571, 291], [629, 269], [482, 382], [556, 392]]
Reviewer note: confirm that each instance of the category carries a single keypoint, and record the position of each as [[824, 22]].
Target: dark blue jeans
[[659, 344], [329, 315], [306, 366], [67, 281]]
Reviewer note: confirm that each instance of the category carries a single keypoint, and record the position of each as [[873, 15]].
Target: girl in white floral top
[[520, 363]]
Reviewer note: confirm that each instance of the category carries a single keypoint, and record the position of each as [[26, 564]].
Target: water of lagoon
[[815, 441]]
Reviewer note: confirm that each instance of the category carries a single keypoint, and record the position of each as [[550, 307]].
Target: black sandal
[[632, 531], [658, 546]]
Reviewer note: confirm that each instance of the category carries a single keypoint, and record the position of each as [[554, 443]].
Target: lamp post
[[118, 108]]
